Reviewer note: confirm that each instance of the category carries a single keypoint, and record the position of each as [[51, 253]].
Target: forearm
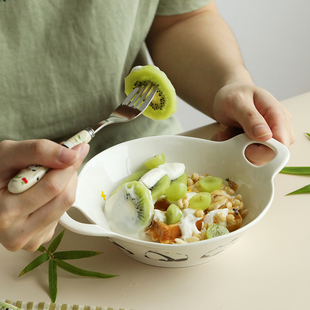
[[199, 54]]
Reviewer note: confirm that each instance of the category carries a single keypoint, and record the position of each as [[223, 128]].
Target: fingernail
[[261, 131], [66, 155], [83, 150]]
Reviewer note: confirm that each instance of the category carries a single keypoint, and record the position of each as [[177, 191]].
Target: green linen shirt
[[63, 64]]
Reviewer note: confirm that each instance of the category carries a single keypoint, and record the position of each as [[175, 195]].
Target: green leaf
[[296, 170], [35, 263], [75, 254], [41, 248], [307, 135], [81, 272], [303, 190], [52, 279], [55, 243]]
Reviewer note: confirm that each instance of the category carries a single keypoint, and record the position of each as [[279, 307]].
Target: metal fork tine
[[148, 100], [143, 96], [133, 102], [130, 96]]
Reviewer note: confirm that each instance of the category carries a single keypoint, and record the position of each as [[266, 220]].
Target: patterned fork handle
[[26, 178]]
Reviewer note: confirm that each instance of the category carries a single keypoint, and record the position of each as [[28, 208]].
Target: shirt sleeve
[[175, 7]]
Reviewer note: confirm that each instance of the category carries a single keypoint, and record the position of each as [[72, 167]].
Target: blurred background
[[274, 39]]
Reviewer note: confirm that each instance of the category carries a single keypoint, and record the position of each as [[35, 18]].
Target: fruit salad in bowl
[[162, 203], [224, 195]]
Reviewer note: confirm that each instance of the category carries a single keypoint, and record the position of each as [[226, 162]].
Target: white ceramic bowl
[[105, 172]]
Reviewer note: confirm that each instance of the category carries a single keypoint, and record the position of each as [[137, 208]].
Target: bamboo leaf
[[35, 263], [296, 170], [52, 279], [81, 272], [55, 243], [41, 248], [75, 254], [307, 135], [303, 190]]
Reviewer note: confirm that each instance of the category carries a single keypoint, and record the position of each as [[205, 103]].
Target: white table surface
[[268, 268]]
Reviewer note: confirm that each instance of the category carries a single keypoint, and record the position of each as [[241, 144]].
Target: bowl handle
[[273, 167], [83, 228]]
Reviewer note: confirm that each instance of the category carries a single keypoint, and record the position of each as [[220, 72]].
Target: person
[[63, 65]]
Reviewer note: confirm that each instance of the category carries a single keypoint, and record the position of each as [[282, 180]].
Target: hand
[[242, 107], [29, 219]]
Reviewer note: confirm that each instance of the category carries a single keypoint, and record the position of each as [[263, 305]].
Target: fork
[[133, 106]]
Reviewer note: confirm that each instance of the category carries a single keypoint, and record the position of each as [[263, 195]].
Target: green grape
[[181, 179], [155, 161], [200, 201], [215, 230], [210, 184], [173, 214], [176, 191]]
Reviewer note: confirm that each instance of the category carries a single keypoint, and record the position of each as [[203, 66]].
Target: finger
[[259, 154], [251, 120], [26, 233], [226, 134], [49, 187], [52, 211], [18, 155], [42, 237]]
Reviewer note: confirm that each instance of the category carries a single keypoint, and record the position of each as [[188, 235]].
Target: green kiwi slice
[[160, 187], [215, 230], [136, 176], [173, 214], [155, 161], [164, 102], [131, 208]]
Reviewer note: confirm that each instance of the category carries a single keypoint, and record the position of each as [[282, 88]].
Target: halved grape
[[173, 214], [215, 230], [176, 191], [200, 201], [210, 184], [181, 179], [155, 161]]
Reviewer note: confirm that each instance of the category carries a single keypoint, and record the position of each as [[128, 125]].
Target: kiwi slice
[[131, 208], [155, 161], [210, 184], [173, 214], [136, 176], [215, 230], [164, 102], [160, 187]]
